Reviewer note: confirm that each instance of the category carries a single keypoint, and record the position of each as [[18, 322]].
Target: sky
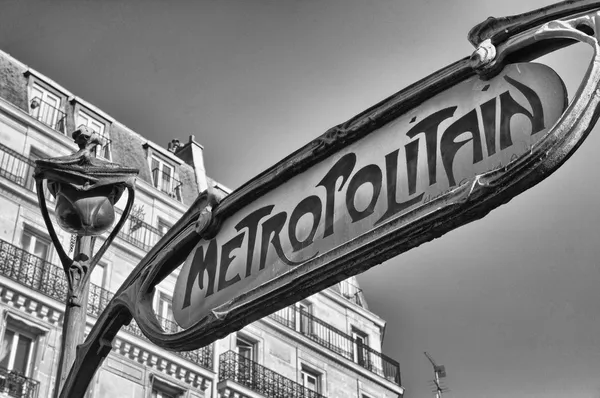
[[508, 303]]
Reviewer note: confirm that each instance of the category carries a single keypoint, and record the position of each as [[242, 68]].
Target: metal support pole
[[74, 322]]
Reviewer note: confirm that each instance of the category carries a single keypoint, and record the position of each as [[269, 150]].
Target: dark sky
[[509, 304]]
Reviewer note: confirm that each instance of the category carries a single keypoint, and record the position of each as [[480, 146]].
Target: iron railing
[[14, 166], [167, 183], [139, 233], [337, 341], [48, 114], [32, 271], [19, 169], [260, 379], [16, 385], [49, 279]]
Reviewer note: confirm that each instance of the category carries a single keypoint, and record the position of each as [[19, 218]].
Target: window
[[157, 393], [35, 244], [311, 379], [246, 351], [164, 310], [98, 276], [163, 178], [163, 226], [45, 107], [35, 154], [103, 150], [17, 351], [165, 306], [163, 389], [31, 270], [98, 297], [351, 291], [304, 321], [360, 347]]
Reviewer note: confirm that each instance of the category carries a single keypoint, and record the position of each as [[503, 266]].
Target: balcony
[[19, 169], [138, 233], [48, 114], [165, 182], [14, 384], [339, 342], [48, 279], [32, 271], [260, 379]]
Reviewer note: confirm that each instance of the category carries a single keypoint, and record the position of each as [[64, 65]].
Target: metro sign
[[366, 187], [437, 155]]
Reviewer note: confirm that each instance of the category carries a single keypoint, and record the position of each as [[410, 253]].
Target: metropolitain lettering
[[268, 231]]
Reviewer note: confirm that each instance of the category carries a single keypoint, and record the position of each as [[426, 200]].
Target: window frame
[[164, 389], [246, 343], [47, 90], [173, 191], [104, 267], [304, 323], [308, 371], [35, 154], [35, 235], [17, 335], [28, 328], [360, 357], [161, 298], [161, 223], [164, 303]]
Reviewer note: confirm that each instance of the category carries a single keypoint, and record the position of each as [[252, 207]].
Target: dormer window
[[44, 105], [84, 119], [163, 178]]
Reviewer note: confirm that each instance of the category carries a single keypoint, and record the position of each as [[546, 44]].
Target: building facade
[[328, 345]]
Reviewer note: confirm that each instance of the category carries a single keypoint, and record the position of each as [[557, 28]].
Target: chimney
[[193, 154]]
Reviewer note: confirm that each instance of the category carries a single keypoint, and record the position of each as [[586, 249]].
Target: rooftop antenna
[[439, 372]]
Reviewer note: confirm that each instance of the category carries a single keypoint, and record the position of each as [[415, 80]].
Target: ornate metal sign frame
[[499, 42]]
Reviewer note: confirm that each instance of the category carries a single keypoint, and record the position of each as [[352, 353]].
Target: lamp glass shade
[[85, 213]]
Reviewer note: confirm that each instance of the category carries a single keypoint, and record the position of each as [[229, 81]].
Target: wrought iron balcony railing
[[337, 341], [18, 169], [48, 114], [260, 379], [167, 183], [14, 166], [139, 233], [49, 279], [32, 271], [16, 385]]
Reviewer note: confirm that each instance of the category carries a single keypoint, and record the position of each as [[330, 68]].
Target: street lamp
[[86, 190]]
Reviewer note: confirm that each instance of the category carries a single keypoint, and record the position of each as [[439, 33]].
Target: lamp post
[[86, 190]]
